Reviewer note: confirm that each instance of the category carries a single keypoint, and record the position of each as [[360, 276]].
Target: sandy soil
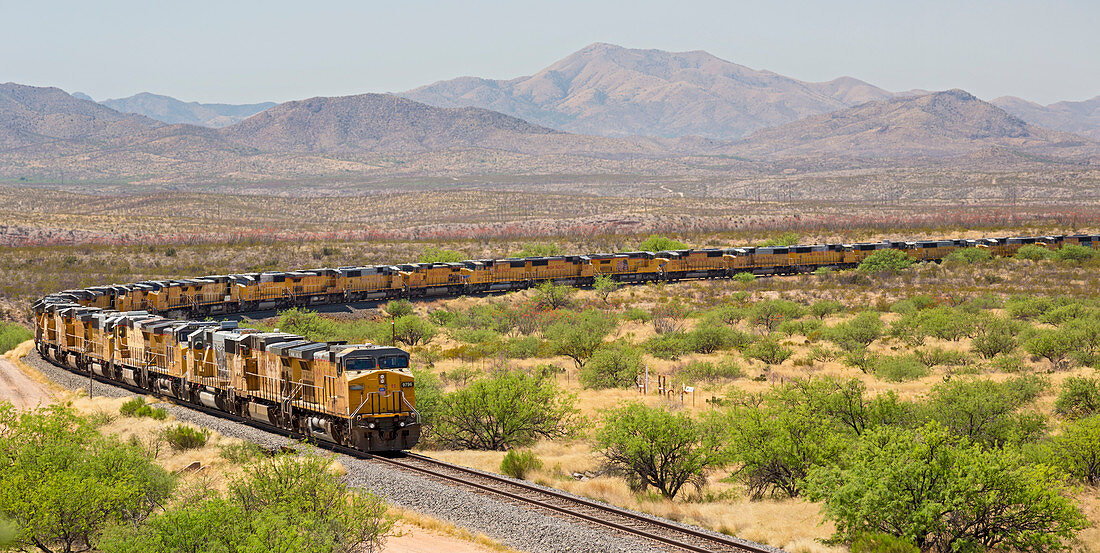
[[17, 386], [414, 539]]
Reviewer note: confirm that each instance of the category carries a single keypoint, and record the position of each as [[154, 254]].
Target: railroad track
[[664, 532]]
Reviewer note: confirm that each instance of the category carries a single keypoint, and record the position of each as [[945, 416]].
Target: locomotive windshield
[[360, 364], [393, 362]]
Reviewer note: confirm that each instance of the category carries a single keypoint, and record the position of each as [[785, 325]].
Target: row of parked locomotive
[[220, 294], [361, 396]]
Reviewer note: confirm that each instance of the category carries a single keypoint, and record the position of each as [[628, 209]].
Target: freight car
[[363, 395]]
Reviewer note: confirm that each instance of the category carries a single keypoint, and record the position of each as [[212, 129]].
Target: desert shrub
[[523, 347], [475, 335], [637, 314], [182, 438], [824, 308], [993, 336], [709, 338], [286, 503], [968, 255], [657, 243], [988, 412], [862, 359], [743, 278], [881, 542], [1009, 363], [768, 350], [553, 296], [1067, 312], [612, 366], [983, 302], [577, 335], [898, 480], [899, 368], [1030, 307], [509, 410], [727, 314], [439, 255], [62, 483], [768, 314], [130, 406], [1052, 344], [857, 332], [442, 317], [651, 446], [412, 330], [1079, 397], [12, 335], [136, 407], [886, 261], [544, 249], [785, 239], [669, 317], [1034, 252], [518, 464], [936, 356], [604, 286], [399, 308], [668, 346], [1077, 450], [809, 328], [705, 371], [241, 453], [1074, 253]]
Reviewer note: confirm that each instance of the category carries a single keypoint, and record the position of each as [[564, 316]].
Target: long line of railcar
[[363, 396]]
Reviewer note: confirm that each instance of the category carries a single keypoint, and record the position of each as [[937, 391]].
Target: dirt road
[[17, 386]]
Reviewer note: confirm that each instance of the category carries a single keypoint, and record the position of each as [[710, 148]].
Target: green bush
[[994, 336], [899, 481], [1034, 253], [243, 452], [130, 406], [882, 261], [12, 335], [439, 255], [809, 328], [705, 371], [668, 346], [657, 243], [552, 296], [518, 464], [968, 256], [785, 239], [988, 412], [182, 438], [824, 308], [136, 407], [412, 330], [399, 308], [743, 278], [1080, 397], [881, 542], [1074, 253], [543, 249], [857, 332], [523, 347], [1054, 345], [709, 338], [936, 356], [651, 446], [768, 314], [1077, 450], [727, 314], [1009, 363], [509, 410], [612, 366], [637, 314], [768, 350], [577, 335], [899, 368]]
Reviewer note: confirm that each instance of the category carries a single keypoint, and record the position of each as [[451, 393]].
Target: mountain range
[[613, 91], [604, 110]]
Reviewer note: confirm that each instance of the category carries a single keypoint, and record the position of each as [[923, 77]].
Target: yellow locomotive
[[361, 396]]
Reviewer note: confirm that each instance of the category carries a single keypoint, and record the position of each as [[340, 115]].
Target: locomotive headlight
[[401, 424], [371, 425]]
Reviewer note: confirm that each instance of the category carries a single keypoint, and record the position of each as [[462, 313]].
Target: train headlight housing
[[401, 424], [371, 426]]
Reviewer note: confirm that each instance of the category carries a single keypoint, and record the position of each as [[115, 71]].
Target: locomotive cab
[[381, 397]]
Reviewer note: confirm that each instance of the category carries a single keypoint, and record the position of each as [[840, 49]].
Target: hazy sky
[[237, 52]]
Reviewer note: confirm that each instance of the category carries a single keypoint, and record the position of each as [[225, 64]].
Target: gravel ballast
[[511, 524]]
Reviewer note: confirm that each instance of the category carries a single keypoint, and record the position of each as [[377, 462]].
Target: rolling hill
[[942, 124], [1081, 118], [172, 111], [613, 91]]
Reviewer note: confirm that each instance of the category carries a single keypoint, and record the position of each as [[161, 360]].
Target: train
[[149, 334]]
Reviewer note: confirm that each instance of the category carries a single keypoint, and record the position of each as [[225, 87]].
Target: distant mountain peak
[[611, 90], [172, 111]]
